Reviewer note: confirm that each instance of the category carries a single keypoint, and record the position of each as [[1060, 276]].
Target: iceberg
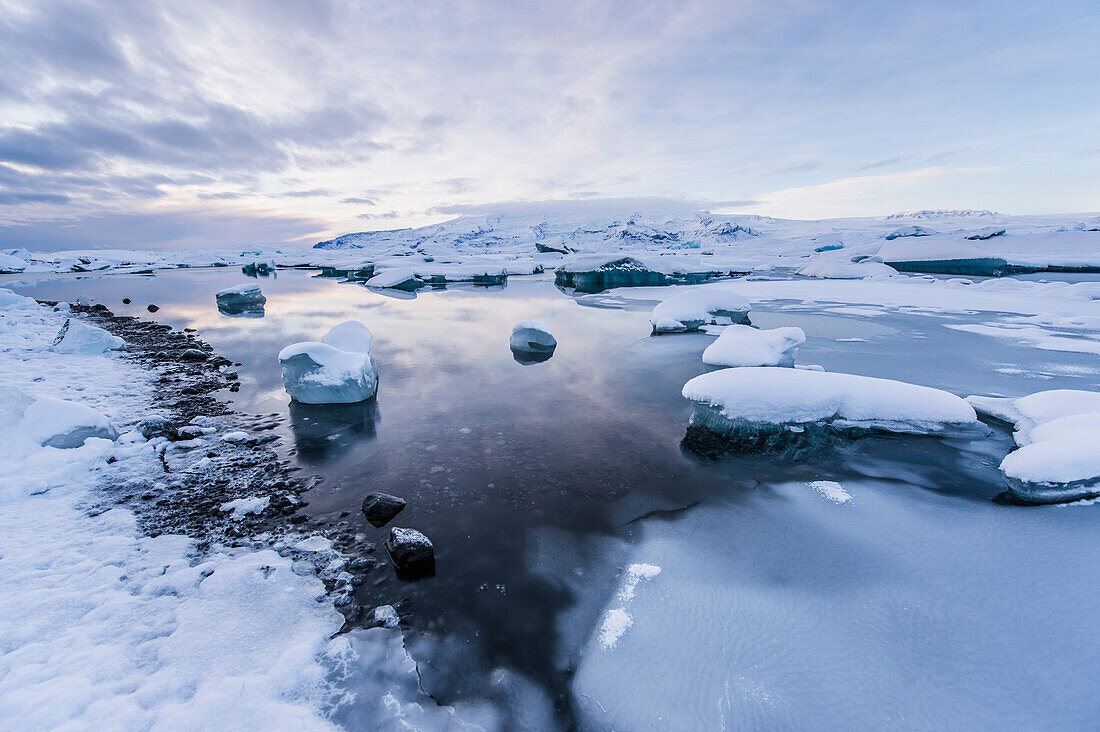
[[751, 405], [11, 264], [246, 300], [259, 268], [402, 278], [83, 339], [339, 370], [945, 256], [743, 345], [695, 308], [532, 342], [1057, 433]]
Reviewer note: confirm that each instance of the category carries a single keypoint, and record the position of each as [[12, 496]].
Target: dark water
[[494, 455]]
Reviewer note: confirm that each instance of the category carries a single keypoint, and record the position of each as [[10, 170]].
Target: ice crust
[[743, 345]]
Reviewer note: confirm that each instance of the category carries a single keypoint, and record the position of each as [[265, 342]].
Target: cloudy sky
[[196, 123]]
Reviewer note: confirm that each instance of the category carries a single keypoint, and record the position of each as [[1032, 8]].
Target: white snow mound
[[78, 337], [695, 308], [743, 345], [731, 399]]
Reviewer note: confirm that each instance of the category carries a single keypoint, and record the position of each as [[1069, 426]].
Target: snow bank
[[743, 345], [1058, 432], [52, 422], [733, 401], [10, 264], [76, 336], [832, 268], [697, 307], [322, 373]]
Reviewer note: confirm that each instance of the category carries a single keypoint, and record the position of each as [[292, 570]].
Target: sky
[[188, 124]]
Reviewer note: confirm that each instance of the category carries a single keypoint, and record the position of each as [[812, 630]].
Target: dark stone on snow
[[380, 508]]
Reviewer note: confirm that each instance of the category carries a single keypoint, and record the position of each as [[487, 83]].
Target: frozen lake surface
[[593, 572]]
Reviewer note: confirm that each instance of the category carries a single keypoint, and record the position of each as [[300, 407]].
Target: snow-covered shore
[[105, 626]]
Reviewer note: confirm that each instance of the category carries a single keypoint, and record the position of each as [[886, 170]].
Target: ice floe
[[743, 345], [740, 401], [698, 307], [1057, 432], [532, 337], [246, 299]]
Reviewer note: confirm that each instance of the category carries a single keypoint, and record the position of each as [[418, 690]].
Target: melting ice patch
[[617, 620]]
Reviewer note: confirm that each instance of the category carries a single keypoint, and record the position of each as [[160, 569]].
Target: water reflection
[[527, 358], [323, 431], [241, 310]]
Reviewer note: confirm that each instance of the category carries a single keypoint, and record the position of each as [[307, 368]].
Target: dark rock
[[299, 519], [152, 308], [194, 354], [126, 301], [412, 553], [380, 508], [157, 426]]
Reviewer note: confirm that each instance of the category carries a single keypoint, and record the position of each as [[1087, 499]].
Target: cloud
[[359, 200], [373, 216], [175, 229]]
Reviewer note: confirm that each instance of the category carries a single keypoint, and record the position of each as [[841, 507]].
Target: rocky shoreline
[[211, 456]]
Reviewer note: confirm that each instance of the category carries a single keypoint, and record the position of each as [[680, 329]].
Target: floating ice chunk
[[740, 401], [315, 373], [78, 337], [941, 256], [598, 272], [532, 335], [236, 436], [248, 293], [351, 336], [323, 373], [400, 278], [743, 345], [52, 422], [386, 616], [259, 267], [695, 308], [1058, 432], [242, 507], [833, 268]]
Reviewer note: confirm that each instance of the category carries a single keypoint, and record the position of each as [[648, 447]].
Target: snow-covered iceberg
[[697, 307], [743, 404], [81, 338], [1057, 432], [52, 422], [743, 345], [10, 264], [340, 370], [247, 300]]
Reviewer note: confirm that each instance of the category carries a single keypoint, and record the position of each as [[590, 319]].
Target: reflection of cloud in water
[[323, 431]]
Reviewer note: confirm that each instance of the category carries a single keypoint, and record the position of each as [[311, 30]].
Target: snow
[[532, 336], [76, 336], [10, 264], [616, 620], [732, 399], [52, 422], [242, 507], [697, 307], [834, 268], [321, 373], [743, 345], [831, 491], [235, 436], [1058, 432], [351, 336]]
